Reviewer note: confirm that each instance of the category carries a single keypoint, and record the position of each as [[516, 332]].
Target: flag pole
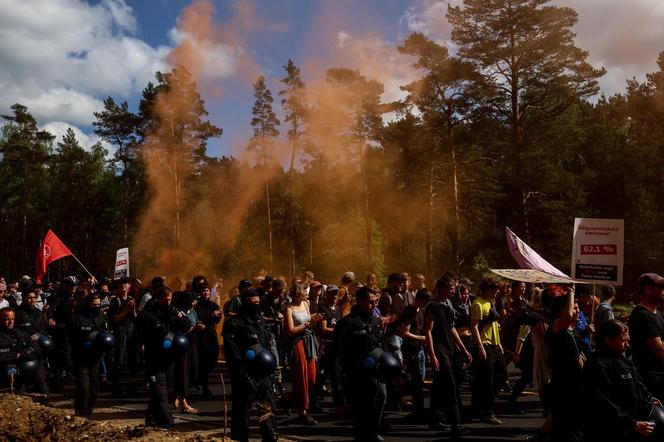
[[81, 264]]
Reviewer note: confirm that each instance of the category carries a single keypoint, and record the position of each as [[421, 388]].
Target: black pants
[[159, 409], [445, 392], [526, 361], [61, 358], [241, 401], [367, 400], [412, 362], [329, 368], [87, 389], [124, 351], [489, 375]]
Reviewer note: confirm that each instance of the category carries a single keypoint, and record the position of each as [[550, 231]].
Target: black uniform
[[157, 321], [13, 342], [616, 398], [355, 336], [241, 332], [86, 358], [208, 344], [30, 320]]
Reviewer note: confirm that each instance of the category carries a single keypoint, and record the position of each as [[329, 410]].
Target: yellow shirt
[[490, 333]]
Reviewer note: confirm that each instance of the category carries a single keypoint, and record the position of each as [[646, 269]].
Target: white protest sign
[[598, 250], [121, 263]]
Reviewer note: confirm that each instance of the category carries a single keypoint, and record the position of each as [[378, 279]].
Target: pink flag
[[527, 258]]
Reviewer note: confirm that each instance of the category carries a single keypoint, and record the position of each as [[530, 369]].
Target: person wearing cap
[[59, 312], [315, 290], [236, 302], [209, 315], [122, 313], [646, 331], [344, 299]]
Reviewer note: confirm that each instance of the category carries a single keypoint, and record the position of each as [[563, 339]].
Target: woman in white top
[[304, 349]]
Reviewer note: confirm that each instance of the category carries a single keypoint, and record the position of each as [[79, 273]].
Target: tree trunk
[[291, 228], [269, 227], [126, 203], [429, 226], [455, 182], [367, 211]]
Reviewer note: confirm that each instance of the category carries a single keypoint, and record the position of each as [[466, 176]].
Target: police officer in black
[[355, 336], [30, 320], [28, 317], [14, 346], [158, 321], [240, 332], [209, 314], [59, 313], [85, 353]]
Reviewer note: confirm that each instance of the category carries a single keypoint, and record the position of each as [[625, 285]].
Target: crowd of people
[[370, 348]]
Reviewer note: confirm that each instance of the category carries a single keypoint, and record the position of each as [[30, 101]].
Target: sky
[[61, 58]]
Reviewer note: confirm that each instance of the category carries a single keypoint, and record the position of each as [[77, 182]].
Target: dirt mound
[[23, 420]]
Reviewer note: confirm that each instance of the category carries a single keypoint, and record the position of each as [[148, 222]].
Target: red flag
[[50, 250]]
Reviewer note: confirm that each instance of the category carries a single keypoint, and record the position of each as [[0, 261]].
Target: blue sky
[[61, 58]]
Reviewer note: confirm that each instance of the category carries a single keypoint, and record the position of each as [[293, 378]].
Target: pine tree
[[294, 104], [532, 70], [119, 127], [264, 123]]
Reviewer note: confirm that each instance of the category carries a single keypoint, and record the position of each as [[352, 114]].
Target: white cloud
[[59, 128], [60, 57], [624, 37], [215, 60]]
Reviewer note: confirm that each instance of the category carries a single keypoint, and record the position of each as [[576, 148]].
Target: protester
[[566, 362], [443, 341], [489, 372], [209, 315], [299, 325], [618, 405], [122, 313], [605, 309], [646, 330]]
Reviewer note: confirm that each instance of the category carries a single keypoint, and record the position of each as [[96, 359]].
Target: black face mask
[[251, 309], [92, 311]]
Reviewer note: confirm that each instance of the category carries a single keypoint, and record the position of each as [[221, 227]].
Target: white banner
[[598, 250], [534, 276], [121, 263]]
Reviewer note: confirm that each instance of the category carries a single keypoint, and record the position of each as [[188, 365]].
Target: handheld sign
[[121, 264], [598, 250]]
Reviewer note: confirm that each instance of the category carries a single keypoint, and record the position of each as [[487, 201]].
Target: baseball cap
[[332, 288], [315, 284], [650, 279]]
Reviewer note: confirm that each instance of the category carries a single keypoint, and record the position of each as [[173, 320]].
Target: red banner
[[50, 250]]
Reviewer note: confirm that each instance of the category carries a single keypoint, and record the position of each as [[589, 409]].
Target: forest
[[510, 130]]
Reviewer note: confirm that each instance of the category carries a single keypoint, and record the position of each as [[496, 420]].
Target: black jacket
[[241, 332], [84, 323], [30, 320], [157, 321], [355, 336], [616, 397]]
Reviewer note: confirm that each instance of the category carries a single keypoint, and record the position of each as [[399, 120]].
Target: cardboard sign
[[121, 263], [598, 250]]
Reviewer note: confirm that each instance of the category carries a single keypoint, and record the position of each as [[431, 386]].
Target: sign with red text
[[598, 250], [121, 263]]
